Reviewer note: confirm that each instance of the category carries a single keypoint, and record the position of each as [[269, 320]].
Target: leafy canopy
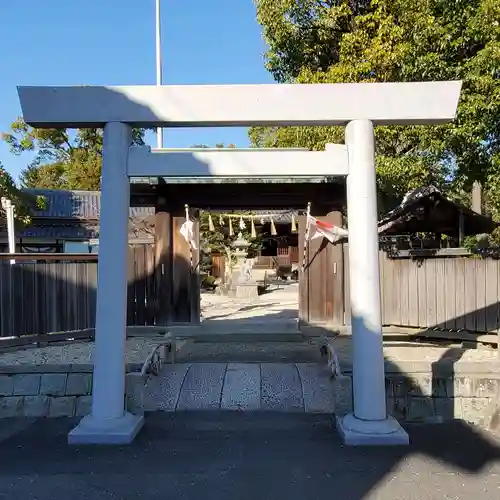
[[314, 41], [22, 201], [64, 159]]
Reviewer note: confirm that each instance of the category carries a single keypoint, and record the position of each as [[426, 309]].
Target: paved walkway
[[280, 303], [247, 456], [286, 387]]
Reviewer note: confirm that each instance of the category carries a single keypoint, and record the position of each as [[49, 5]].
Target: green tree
[[23, 202], [392, 41], [63, 159], [305, 34]]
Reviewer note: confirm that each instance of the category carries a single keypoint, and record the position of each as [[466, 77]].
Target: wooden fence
[[57, 292], [449, 293]]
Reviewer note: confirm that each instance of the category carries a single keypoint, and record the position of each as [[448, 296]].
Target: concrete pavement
[[247, 456]]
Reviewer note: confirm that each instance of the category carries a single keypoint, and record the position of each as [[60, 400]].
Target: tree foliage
[[64, 159], [23, 202], [338, 41]]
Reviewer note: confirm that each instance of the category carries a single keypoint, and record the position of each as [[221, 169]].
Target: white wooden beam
[[240, 105], [235, 163]]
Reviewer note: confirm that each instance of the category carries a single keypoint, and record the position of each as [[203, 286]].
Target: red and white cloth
[[320, 229], [187, 231]]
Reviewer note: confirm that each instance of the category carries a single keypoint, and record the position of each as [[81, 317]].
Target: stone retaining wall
[[435, 392], [48, 390]]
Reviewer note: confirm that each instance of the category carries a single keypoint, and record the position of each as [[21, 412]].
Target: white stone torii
[[358, 106]]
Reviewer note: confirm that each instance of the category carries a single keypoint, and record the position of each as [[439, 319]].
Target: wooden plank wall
[[450, 293], [321, 286], [46, 297]]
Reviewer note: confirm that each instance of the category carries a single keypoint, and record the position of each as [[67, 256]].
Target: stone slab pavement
[[246, 456], [299, 387]]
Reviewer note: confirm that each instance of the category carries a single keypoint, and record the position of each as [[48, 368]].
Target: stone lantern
[[242, 284]]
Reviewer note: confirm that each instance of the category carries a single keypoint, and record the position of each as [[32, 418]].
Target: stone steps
[[250, 351], [278, 387]]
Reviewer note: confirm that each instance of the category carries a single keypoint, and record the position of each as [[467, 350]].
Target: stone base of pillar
[[355, 432], [113, 431]]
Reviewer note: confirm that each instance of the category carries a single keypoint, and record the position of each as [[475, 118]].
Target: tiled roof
[[61, 231], [76, 204]]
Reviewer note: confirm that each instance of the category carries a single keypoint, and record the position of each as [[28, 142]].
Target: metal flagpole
[[306, 237], [159, 130], [8, 206]]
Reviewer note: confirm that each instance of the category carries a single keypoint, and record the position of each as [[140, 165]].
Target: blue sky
[[112, 42]]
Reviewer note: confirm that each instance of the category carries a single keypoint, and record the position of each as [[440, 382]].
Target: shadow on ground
[[232, 455]]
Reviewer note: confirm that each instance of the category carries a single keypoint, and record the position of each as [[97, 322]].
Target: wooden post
[[321, 288], [460, 229], [177, 281], [185, 275], [163, 259]]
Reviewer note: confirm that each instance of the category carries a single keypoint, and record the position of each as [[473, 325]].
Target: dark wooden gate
[[321, 282]]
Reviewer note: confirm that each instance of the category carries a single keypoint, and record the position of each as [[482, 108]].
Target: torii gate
[[358, 106]]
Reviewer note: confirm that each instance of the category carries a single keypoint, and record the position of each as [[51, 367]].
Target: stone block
[[202, 387], [63, 406], [421, 385], [474, 410], [36, 406], [485, 387], [400, 408], [400, 385], [462, 387], [444, 408], [412, 385], [389, 387], [442, 387], [79, 384], [6, 385], [317, 388], [241, 389], [342, 391], [281, 388], [11, 406], [134, 403], [420, 409], [83, 406], [134, 393], [27, 384], [53, 384]]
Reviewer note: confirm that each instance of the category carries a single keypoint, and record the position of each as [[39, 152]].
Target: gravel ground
[[137, 351], [248, 456]]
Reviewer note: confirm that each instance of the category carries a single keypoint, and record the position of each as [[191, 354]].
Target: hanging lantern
[[221, 220], [211, 226], [242, 224], [273, 228], [253, 231], [231, 232], [294, 224]]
